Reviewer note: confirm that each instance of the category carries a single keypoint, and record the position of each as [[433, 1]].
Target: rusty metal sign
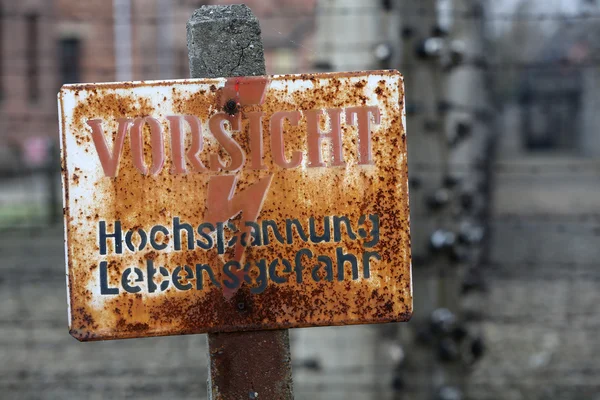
[[222, 205]]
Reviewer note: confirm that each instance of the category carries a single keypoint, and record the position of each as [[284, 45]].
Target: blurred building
[[557, 95], [505, 242], [47, 43], [541, 321], [28, 78]]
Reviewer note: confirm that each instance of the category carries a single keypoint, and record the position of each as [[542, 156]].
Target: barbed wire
[[104, 74], [373, 9]]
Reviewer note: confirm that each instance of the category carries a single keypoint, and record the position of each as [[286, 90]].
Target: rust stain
[[142, 202]]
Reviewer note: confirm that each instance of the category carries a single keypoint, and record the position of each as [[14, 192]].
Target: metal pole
[[418, 18], [225, 41], [53, 179]]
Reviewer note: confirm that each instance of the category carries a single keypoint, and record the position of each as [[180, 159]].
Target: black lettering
[[104, 289], [151, 271], [200, 276], [220, 238], [328, 269], [125, 280], [273, 271], [255, 239], [117, 235], [177, 228], [206, 236], [343, 258], [374, 234], [366, 262], [298, 263], [244, 239], [337, 228], [176, 278], [233, 229], [325, 237], [153, 232], [289, 223], [234, 283], [143, 240], [266, 224], [261, 280]]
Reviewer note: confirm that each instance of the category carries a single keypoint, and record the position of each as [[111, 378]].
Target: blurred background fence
[[30, 196], [502, 116]]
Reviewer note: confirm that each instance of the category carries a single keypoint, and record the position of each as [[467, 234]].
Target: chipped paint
[[152, 192]]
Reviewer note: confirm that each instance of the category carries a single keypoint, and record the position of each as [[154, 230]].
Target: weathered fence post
[[52, 178], [224, 41]]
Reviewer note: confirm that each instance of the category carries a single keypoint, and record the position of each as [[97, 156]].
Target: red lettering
[[277, 145], [221, 127], [156, 141], [256, 139], [361, 116], [217, 128], [177, 144], [316, 136], [110, 162]]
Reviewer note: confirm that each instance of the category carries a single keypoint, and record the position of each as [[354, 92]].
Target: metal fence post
[[224, 41], [53, 179]]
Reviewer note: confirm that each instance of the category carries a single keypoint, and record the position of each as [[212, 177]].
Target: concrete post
[[224, 41], [426, 147]]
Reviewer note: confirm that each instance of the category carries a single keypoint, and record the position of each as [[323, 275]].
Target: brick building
[[46, 43], [28, 80]]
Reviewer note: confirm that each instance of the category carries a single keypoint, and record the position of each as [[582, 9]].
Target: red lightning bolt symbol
[[222, 201], [223, 204]]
